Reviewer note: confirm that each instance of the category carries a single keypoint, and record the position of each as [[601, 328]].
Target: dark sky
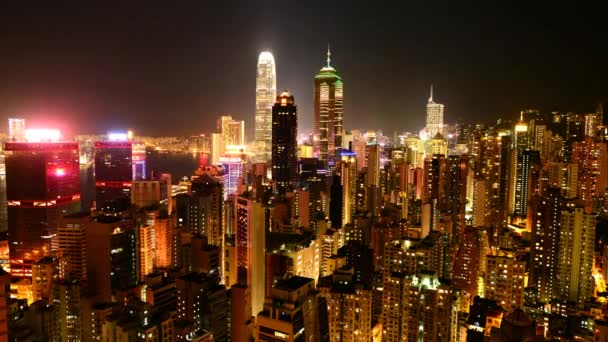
[[172, 71]]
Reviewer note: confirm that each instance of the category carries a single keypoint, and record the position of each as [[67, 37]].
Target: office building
[[233, 131], [16, 130], [284, 143], [42, 183], [434, 117], [265, 95], [113, 170], [328, 114], [111, 247], [234, 162]]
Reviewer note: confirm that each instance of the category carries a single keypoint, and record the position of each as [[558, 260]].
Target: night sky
[[172, 71]]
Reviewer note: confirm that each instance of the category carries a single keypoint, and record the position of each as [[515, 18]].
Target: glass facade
[[42, 183], [265, 94]]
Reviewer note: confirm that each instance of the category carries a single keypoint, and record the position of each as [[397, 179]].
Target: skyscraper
[[233, 131], [16, 129], [42, 183], [206, 208], [265, 94], [72, 244], [113, 169], [434, 117], [284, 144], [544, 254], [348, 176], [328, 102], [250, 251]]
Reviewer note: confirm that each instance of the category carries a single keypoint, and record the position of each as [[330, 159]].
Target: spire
[[431, 98], [328, 56]]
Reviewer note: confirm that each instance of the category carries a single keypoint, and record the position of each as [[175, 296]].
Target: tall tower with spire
[[434, 117], [265, 95], [328, 111]]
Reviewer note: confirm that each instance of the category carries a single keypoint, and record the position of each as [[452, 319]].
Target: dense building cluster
[[460, 233]]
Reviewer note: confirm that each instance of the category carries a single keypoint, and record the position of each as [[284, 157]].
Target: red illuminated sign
[[108, 184], [112, 144], [42, 147], [44, 203]]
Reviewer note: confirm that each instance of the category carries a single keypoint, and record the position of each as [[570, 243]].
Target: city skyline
[[459, 192], [189, 72]]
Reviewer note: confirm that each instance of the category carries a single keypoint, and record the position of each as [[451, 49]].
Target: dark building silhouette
[[113, 171], [284, 143]]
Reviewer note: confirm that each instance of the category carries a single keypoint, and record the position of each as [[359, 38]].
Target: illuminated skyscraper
[[233, 131], [234, 161], [16, 129], [284, 143], [348, 176], [434, 117], [328, 110], [42, 183], [265, 95], [523, 160], [146, 250]]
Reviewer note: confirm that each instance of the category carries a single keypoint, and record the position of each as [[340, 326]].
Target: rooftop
[[292, 283]]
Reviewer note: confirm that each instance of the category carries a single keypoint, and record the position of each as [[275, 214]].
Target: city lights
[[42, 135], [118, 136], [447, 195]]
